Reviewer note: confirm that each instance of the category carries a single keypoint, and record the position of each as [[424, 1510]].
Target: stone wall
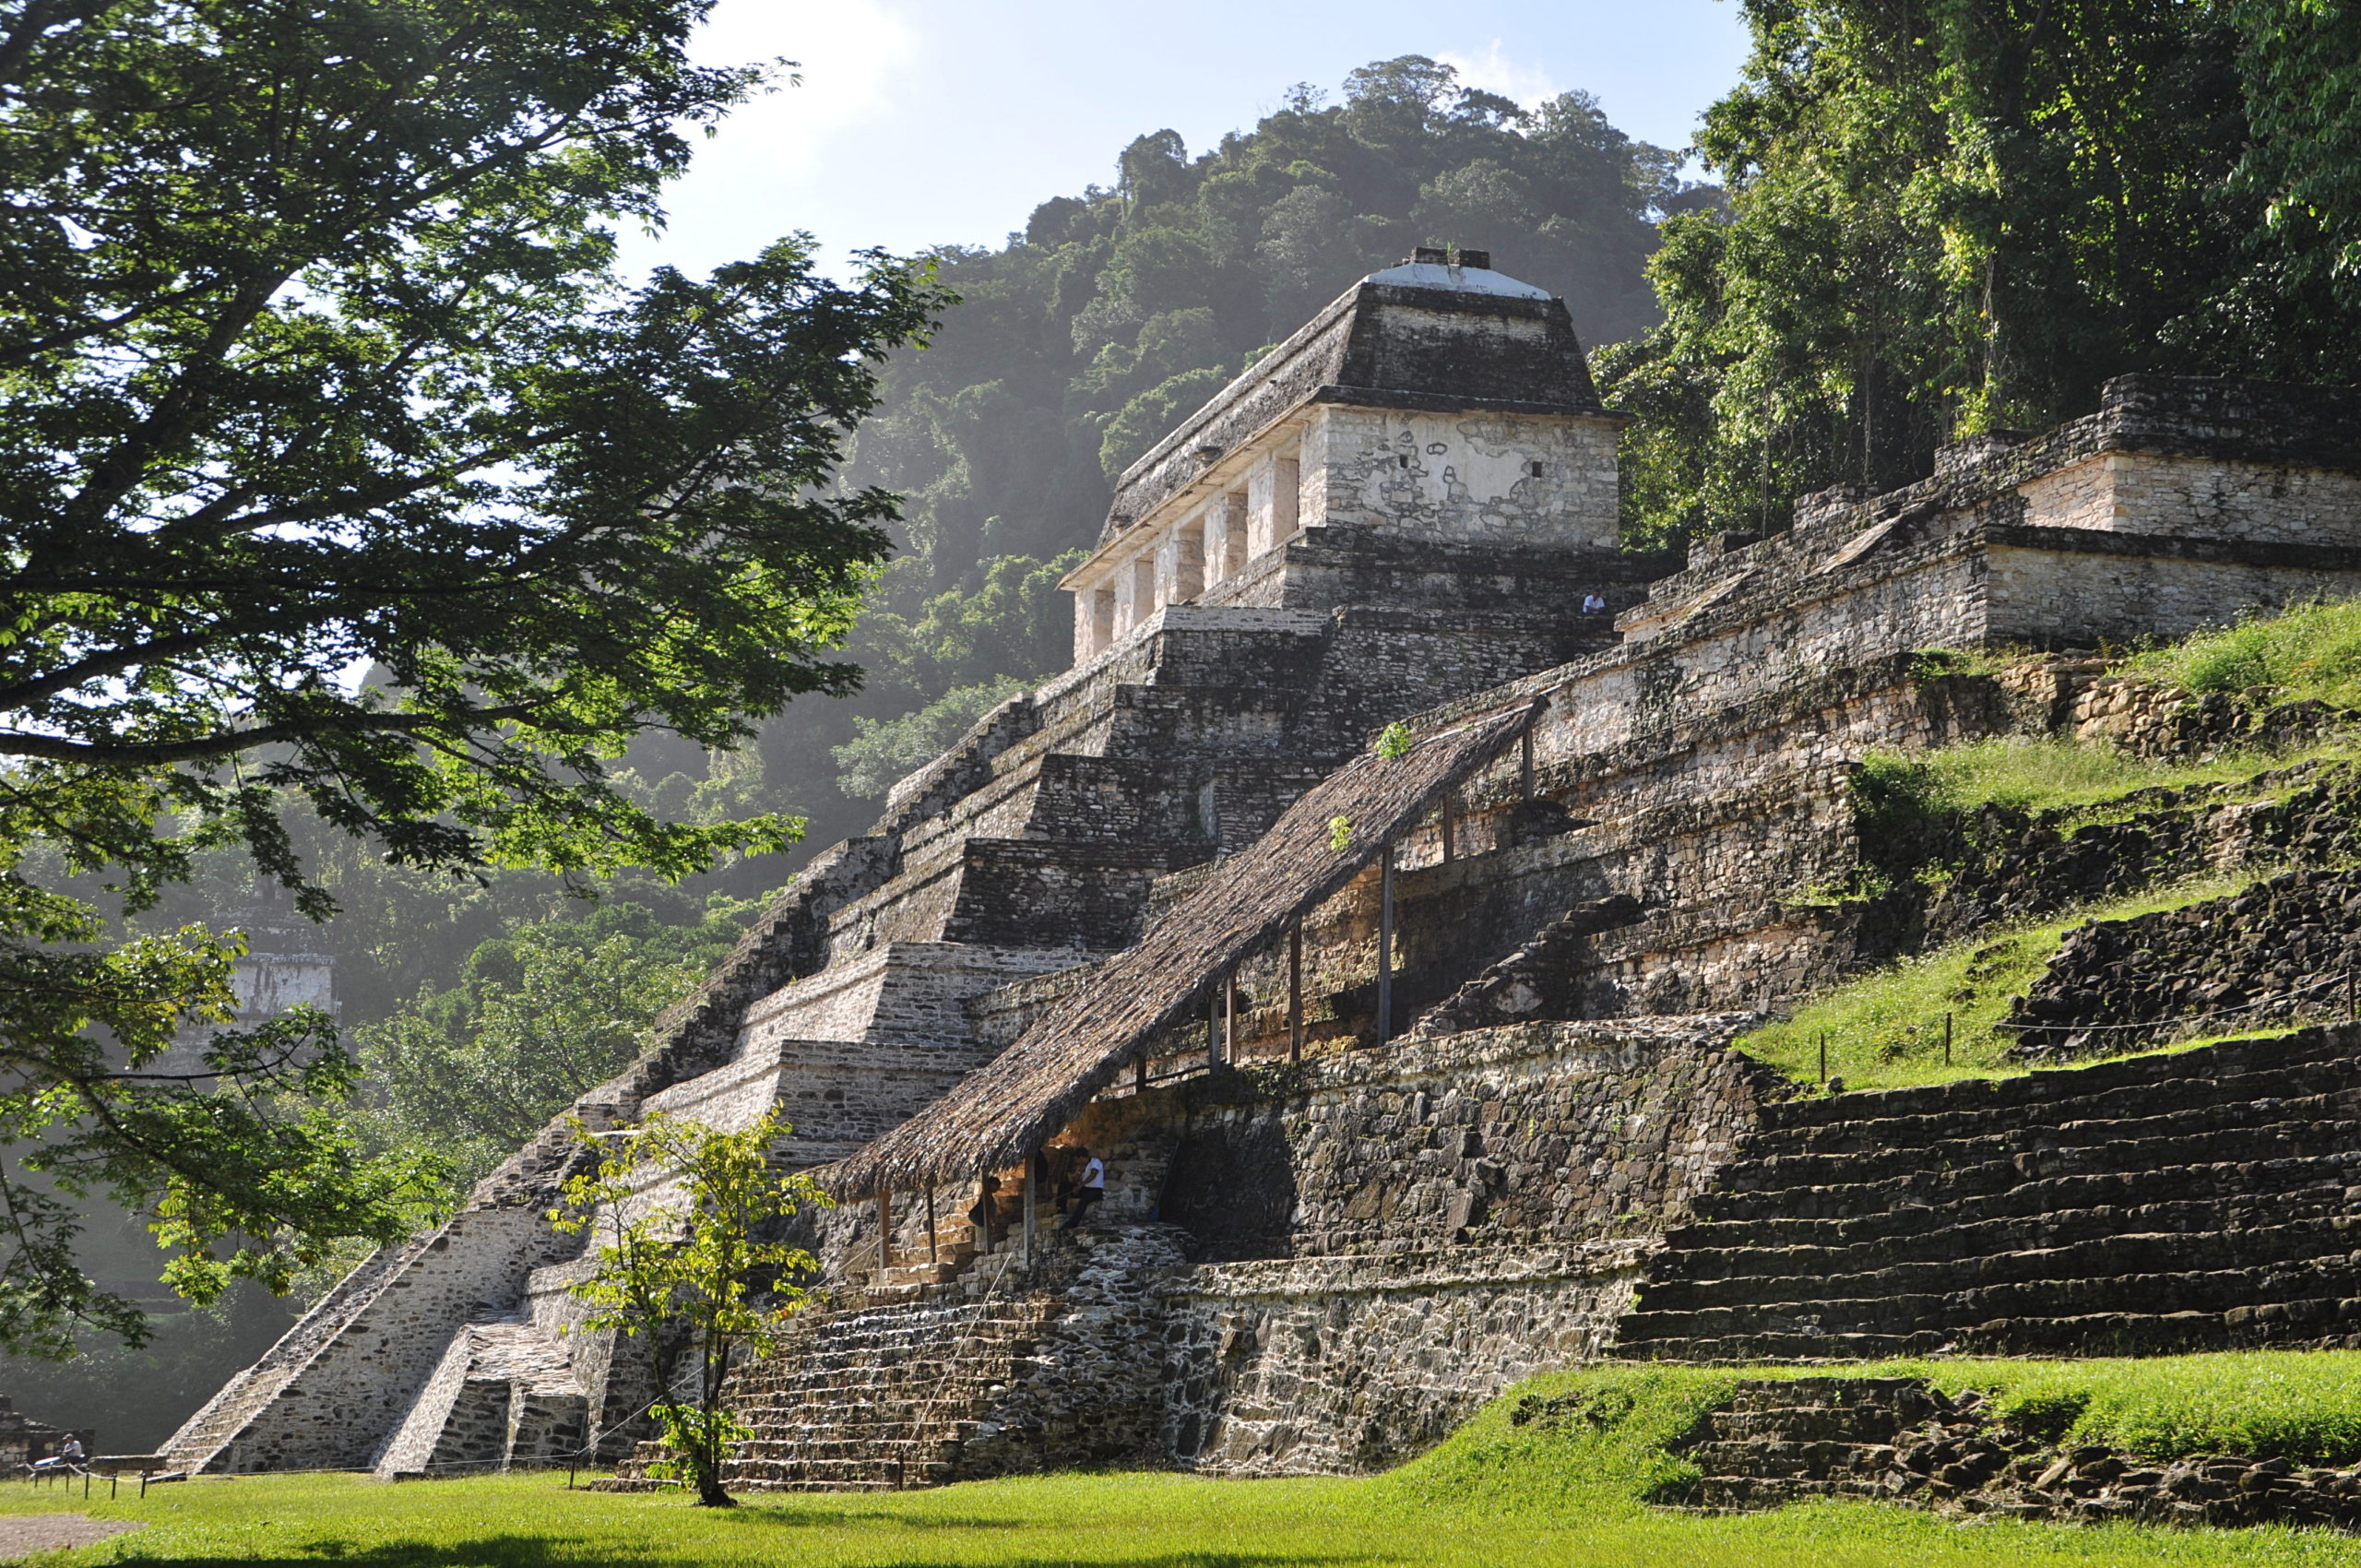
[[2199, 497], [1296, 1270], [1330, 1366], [1396, 1235], [1503, 478], [2287, 948]]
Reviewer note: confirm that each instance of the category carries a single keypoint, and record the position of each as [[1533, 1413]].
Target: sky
[[919, 123]]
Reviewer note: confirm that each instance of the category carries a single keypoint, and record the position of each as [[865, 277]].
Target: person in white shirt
[[1092, 1191]]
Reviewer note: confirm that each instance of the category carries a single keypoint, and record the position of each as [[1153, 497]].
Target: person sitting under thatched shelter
[[1090, 1189]]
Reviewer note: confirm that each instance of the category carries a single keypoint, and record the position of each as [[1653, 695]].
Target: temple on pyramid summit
[[1378, 897]]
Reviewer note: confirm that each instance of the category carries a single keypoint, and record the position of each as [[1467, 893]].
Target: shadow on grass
[[529, 1551]]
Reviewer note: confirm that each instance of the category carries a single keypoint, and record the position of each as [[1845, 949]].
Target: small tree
[[679, 1209]]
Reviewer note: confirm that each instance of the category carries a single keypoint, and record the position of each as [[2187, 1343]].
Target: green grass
[[1885, 1029], [2311, 651], [2044, 774], [1569, 1489]]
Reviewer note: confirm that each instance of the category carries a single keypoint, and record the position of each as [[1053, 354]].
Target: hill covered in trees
[[1081, 340]]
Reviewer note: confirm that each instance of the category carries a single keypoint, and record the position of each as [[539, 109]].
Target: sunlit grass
[[2313, 651], [1885, 1029], [2049, 773], [1572, 1490]]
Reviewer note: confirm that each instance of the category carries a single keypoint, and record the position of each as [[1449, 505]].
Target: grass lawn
[[1885, 1028], [1563, 1489]]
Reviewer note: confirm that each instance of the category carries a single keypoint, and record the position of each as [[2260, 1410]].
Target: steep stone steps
[[1965, 1257], [2262, 1127], [875, 1398], [1915, 1115], [1899, 1208], [2194, 1199]]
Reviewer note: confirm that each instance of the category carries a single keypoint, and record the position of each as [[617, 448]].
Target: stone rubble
[[1901, 1439]]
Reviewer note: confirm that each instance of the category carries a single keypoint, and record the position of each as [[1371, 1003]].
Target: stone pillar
[[1102, 619], [1134, 594], [1233, 507], [1272, 490], [1181, 564], [1213, 529], [1146, 600]]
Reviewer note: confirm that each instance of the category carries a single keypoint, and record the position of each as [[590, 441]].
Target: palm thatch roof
[[1003, 1111]]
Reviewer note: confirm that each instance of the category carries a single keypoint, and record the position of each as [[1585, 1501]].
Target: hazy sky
[[922, 123]]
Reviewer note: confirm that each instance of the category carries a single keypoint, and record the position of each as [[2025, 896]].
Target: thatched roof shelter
[[1002, 1113]]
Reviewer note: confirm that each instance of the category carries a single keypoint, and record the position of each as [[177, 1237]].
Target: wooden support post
[[1213, 1027], [1525, 766], [984, 1204], [1947, 1039], [1450, 822], [1032, 1207], [1386, 946], [1295, 994], [930, 1223], [885, 1232], [1139, 1072], [1229, 1019], [1824, 1058]]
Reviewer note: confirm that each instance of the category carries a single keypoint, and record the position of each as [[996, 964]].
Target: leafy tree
[[882, 754], [698, 1280], [539, 1016], [2294, 310], [315, 360], [1951, 218]]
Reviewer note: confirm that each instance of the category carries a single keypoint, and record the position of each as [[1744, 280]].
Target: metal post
[[1229, 1019], [1295, 994], [1386, 946]]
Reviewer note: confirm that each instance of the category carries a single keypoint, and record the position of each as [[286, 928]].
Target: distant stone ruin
[[1427, 1087], [25, 1441]]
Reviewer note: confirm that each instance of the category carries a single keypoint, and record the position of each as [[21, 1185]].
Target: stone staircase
[[876, 1397], [1778, 1440], [2189, 1200], [227, 1414]]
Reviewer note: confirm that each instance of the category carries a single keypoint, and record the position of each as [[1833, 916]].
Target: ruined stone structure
[[282, 967], [1432, 1129]]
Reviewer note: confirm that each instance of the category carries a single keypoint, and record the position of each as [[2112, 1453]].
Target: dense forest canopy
[[1947, 217]]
